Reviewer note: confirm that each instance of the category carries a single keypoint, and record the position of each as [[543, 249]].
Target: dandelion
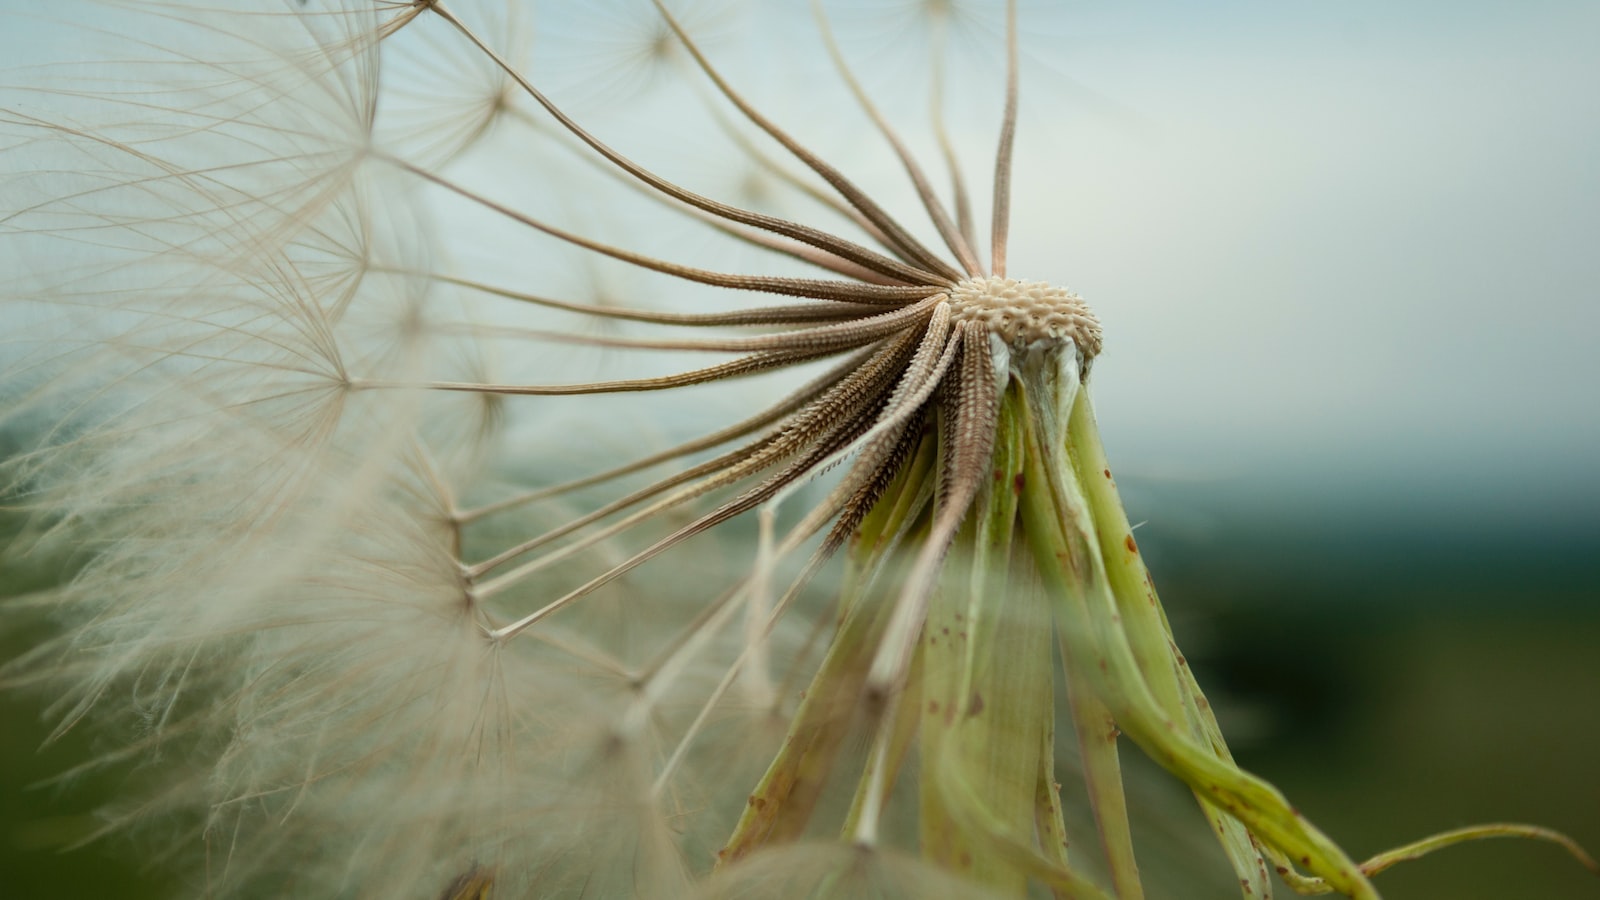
[[334, 569]]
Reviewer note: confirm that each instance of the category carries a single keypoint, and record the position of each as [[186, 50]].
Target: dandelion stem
[[1002, 165]]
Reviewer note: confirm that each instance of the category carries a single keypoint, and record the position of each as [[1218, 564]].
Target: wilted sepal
[[1149, 636], [1061, 530], [1048, 385], [833, 870], [782, 803], [987, 664]]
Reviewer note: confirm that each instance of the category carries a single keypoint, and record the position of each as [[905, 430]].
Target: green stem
[[1150, 637], [1060, 530], [1102, 777]]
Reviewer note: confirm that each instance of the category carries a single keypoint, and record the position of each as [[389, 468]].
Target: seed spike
[[793, 249], [746, 365], [965, 469], [920, 379], [909, 247], [739, 429], [783, 174], [834, 419], [805, 234], [831, 337], [850, 399], [657, 676], [930, 202], [958, 182], [1002, 164], [793, 287], [792, 314], [813, 565], [717, 473], [743, 503]]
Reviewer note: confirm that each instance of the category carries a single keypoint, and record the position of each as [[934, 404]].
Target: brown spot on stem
[[1128, 542], [975, 705], [1017, 482], [933, 707], [1106, 473]]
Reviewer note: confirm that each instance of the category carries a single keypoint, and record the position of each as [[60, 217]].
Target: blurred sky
[[1335, 245], [1338, 240]]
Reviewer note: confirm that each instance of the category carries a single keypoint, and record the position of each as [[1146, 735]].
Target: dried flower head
[[279, 269]]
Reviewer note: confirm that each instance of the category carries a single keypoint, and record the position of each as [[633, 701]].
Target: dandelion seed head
[[371, 597], [1024, 313]]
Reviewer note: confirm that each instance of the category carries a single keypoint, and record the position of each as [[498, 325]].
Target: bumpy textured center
[[1027, 312]]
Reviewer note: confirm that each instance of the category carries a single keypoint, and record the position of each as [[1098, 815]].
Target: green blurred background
[[1396, 665]]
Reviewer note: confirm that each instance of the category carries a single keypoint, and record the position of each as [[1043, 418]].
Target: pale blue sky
[[1328, 241]]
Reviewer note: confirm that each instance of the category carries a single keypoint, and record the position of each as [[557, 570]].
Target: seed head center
[[1025, 313]]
